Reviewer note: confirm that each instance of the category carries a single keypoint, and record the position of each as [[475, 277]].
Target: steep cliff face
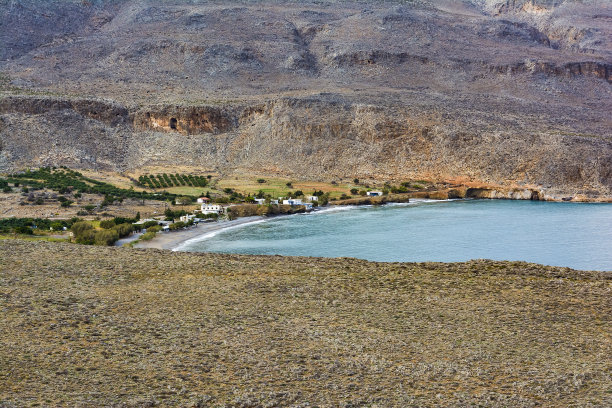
[[185, 120], [496, 91], [302, 138]]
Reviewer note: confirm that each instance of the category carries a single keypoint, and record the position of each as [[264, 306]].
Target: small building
[[308, 206], [293, 201], [187, 218], [312, 198], [274, 202], [202, 200], [260, 201], [374, 193], [212, 209]]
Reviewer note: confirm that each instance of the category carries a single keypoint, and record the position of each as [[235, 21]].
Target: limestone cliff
[[511, 93], [302, 138]]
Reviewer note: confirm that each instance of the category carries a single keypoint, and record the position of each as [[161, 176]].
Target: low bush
[[107, 224], [24, 230], [123, 230], [147, 236], [79, 227], [177, 225], [106, 237]]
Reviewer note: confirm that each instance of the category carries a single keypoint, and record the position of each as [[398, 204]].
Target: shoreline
[[172, 240]]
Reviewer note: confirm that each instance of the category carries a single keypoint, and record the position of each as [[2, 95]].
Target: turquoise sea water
[[576, 235]]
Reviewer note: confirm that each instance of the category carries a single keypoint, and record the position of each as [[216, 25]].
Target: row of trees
[[66, 181], [165, 180]]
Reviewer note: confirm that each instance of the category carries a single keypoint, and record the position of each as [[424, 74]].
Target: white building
[[293, 201], [260, 201], [374, 193], [212, 209], [274, 202], [202, 200], [312, 198], [186, 218]]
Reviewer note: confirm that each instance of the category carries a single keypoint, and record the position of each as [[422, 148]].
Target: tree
[[107, 224], [261, 181], [80, 227], [354, 191], [106, 237], [123, 230]]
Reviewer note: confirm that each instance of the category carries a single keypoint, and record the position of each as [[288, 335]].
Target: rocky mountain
[[504, 92]]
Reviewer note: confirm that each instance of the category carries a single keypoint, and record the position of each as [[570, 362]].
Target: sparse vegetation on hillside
[[65, 180], [97, 326]]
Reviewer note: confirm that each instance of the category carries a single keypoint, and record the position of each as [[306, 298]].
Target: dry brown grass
[[93, 326]]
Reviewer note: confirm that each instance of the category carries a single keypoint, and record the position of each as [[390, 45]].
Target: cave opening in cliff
[[173, 123]]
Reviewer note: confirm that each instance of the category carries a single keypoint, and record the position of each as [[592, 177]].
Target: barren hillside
[[493, 91], [93, 326]]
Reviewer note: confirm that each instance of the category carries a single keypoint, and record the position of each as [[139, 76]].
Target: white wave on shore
[[208, 235]]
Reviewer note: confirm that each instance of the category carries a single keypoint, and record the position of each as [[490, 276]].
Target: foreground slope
[[492, 91], [92, 326]]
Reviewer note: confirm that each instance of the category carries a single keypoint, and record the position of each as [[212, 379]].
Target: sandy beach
[[172, 239]]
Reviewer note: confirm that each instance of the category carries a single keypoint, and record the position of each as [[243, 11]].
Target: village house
[[202, 200], [374, 193], [187, 218], [260, 201], [212, 209], [293, 201], [312, 198]]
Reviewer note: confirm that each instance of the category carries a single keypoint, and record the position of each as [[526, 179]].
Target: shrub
[[183, 200], [261, 181], [24, 230], [56, 226], [39, 201], [177, 225], [107, 224], [123, 230], [354, 191], [147, 236], [66, 203], [289, 184], [80, 227], [89, 208], [324, 199], [149, 224], [7, 189], [298, 193], [363, 192], [154, 228], [106, 237], [87, 237], [356, 180]]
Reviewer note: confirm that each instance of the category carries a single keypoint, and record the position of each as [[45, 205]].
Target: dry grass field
[[93, 326]]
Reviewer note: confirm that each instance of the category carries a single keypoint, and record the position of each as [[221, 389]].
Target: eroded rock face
[[496, 91], [185, 120], [311, 138]]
